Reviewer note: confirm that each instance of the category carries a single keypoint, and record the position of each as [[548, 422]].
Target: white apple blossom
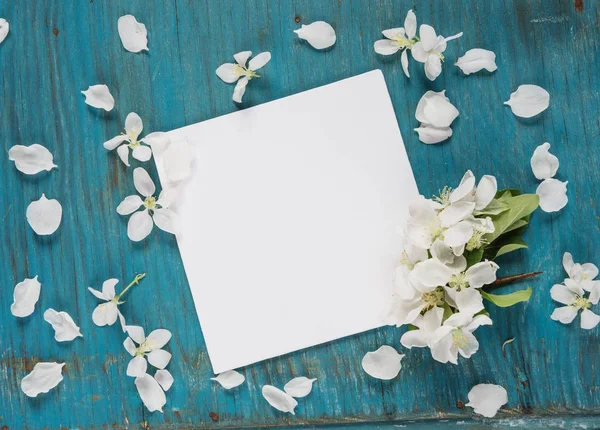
[[155, 211], [436, 114], [148, 347], [429, 50], [141, 148], [108, 312], [232, 72], [399, 39]]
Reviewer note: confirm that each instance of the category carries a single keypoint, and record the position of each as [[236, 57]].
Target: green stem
[[135, 281]]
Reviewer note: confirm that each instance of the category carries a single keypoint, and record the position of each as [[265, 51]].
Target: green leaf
[[519, 207], [507, 300], [520, 223], [504, 245], [508, 192], [496, 207], [447, 311]]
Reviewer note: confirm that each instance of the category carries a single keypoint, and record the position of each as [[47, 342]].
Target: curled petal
[[385, 47], [166, 220], [486, 191], [44, 215], [227, 73], [299, 387], [64, 327], [115, 142], [486, 399], [567, 262], [158, 338], [240, 89], [25, 296], [278, 399], [543, 164], [385, 363], [142, 153], [129, 205], [99, 96], [481, 274], [438, 111], [159, 358], [123, 153], [259, 61], [164, 378], [42, 378], [242, 57], [229, 379], [466, 187], [319, 34], [404, 62], [431, 135], [553, 195], [108, 288], [133, 34], [433, 67], [477, 59], [142, 182], [589, 320], [133, 126], [31, 159], [177, 161], [150, 392], [528, 101], [105, 314], [137, 366], [4, 28]]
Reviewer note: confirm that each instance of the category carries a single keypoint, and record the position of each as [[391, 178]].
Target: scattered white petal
[[137, 366], [229, 379], [150, 392], [177, 161], [4, 28], [544, 164], [477, 59], [99, 96], [164, 378], [42, 378], [26, 295], [486, 399], [434, 109], [431, 135], [553, 195], [44, 215], [299, 387], [528, 101], [132, 33], [278, 399], [319, 34], [385, 363], [64, 327], [31, 159]]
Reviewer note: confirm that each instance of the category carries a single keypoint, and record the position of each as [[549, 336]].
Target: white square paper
[[290, 220]]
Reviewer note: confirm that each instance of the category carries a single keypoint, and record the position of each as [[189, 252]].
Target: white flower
[[572, 295], [543, 164], [64, 327], [582, 273], [528, 101], [477, 59], [486, 399], [99, 96], [44, 215], [4, 28], [319, 34], [155, 211], [25, 296], [107, 313], [232, 72], [149, 347], [42, 378], [140, 150], [133, 34], [462, 287], [552, 194], [299, 387], [429, 49], [427, 324], [385, 363], [32, 159], [396, 39], [482, 195], [456, 336], [436, 114], [229, 379]]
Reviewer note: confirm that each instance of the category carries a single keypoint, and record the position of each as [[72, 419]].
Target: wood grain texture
[[57, 48]]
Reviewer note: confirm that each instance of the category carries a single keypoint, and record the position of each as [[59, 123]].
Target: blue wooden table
[[57, 48]]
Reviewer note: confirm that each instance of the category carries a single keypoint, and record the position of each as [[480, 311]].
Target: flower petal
[[299, 387], [4, 28], [150, 392], [428, 37], [562, 294], [477, 59], [114, 142], [158, 338], [553, 195], [528, 101], [133, 125], [567, 262], [259, 61], [166, 220], [123, 153], [99, 96], [121, 320], [44, 215], [481, 274], [133, 34], [564, 314], [278, 399], [108, 288], [414, 339], [97, 293], [239, 90], [432, 273], [433, 67], [486, 399], [418, 53], [458, 234], [456, 212], [129, 205], [431, 135], [137, 366], [467, 300], [404, 62], [159, 358], [105, 314], [319, 34], [64, 327], [394, 33], [139, 226], [589, 320], [142, 182], [242, 57], [410, 24], [136, 333], [158, 141], [42, 378], [466, 187], [543, 164], [227, 73], [177, 161], [164, 378], [438, 111], [229, 379], [486, 191], [31, 159], [385, 363], [25, 296], [142, 153], [129, 346], [385, 47]]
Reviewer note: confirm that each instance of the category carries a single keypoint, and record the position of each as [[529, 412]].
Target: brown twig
[[511, 279]]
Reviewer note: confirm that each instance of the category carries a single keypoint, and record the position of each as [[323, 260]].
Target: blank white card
[[290, 221]]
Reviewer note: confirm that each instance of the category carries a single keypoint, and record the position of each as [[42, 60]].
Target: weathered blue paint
[[56, 49]]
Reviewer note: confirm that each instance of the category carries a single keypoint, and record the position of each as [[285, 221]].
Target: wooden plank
[[56, 49]]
